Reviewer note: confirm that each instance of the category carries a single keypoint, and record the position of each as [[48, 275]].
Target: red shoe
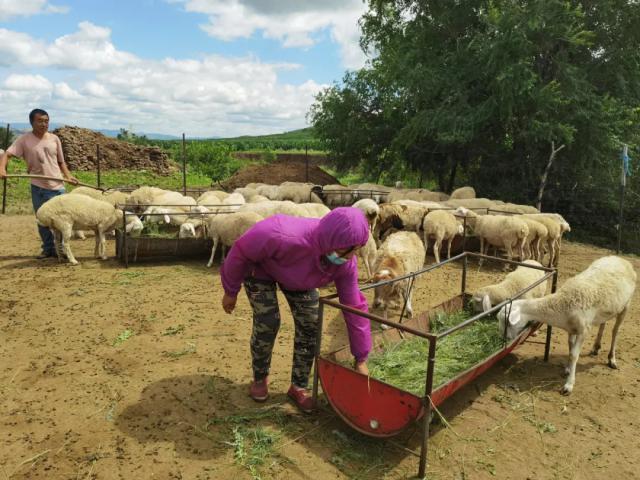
[[302, 398], [259, 389]]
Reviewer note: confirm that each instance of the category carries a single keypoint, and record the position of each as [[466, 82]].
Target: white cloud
[[89, 48], [27, 83], [25, 8], [209, 96], [294, 23]]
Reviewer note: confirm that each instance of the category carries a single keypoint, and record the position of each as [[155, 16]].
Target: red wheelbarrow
[[377, 409]]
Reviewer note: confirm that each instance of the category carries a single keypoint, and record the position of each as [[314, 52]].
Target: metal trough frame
[[397, 405], [123, 238]]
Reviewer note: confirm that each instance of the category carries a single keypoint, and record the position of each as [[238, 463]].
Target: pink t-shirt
[[43, 156]]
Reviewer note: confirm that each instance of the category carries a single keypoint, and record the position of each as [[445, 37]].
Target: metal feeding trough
[[378, 409]]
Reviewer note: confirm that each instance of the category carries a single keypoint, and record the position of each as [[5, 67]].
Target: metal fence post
[[4, 195], [623, 183], [306, 161]]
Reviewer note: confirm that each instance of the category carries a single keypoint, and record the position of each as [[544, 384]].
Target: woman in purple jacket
[[300, 255]]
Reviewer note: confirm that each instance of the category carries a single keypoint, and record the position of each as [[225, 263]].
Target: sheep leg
[[574, 354], [552, 248], [614, 338], [426, 243], [449, 247], [436, 249], [598, 342], [213, 252], [102, 245], [406, 294], [481, 252], [509, 250], [57, 242], [556, 255], [66, 232], [571, 340]]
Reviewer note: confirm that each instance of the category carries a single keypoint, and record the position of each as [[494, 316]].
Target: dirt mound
[[276, 173], [80, 144]]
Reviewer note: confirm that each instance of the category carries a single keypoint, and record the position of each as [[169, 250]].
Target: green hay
[[404, 364], [159, 230]]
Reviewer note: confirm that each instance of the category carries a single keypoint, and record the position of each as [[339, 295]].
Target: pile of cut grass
[[159, 230], [404, 364]]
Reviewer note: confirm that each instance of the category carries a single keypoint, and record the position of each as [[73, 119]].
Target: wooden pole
[[6, 136], [184, 167], [98, 165], [45, 177]]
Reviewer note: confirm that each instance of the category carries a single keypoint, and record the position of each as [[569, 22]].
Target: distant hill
[[300, 135], [25, 127]]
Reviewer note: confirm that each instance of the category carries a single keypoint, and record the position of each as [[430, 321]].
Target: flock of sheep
[[403, 223]]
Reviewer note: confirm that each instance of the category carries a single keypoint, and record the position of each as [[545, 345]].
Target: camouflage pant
[[266, 322]]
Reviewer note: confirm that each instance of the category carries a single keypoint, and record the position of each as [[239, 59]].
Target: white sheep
[[261, 198], [554, 232], [212, 197], [400, 254], [227, 228], [463, 193], [471, 203], [114, 198], [65, 213], [171, 207], [538, 234], [313, 210], [368, 254], [370, 209], [337, 195], [247, 193], [269, 191], [490, 295], [418, 194], [402, 217], [144, 196], [557, 241], [266, 209], [192, 228], [498, 230], [297, 192], [377, 193], [602, 291], [441, 225]]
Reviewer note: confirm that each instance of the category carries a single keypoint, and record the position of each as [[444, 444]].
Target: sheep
[[260, 198], [554, 232], [266, 209], [172, 207], [406, 217], [538, 234], [144, 196], [114, 198], [247, 193], [337, 195], [400, 254], [416, 194], [297, 192], [442, 225], [65, 213], [370, 209], [192, 228], [490, 295], [602, 291], [254, 185], [498, 230], [212, 197], [463, 193], [470, 203], [378, 193], [563, 226], [269, 191], [368, 254], [313, 210], [227, 228]]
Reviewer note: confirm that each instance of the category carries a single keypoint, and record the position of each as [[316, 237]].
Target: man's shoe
[[302, 398], [259, 390]]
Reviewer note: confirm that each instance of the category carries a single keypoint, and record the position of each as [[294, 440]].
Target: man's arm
[[63, 165], [4, 159]]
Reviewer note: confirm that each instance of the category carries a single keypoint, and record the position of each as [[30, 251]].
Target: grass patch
[[404, 364], [190, 348], [255, 446], [123, 337], [170, 331], [126, 278]]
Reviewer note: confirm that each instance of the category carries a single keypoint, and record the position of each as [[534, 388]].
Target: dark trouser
[[266, 322], [39, 196]]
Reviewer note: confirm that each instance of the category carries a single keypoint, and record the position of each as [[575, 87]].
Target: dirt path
[[109, 373]]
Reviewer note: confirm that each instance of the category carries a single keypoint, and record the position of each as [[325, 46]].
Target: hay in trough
[[404, 364]]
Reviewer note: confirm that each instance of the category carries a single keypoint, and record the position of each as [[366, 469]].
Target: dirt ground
[[80, 400]]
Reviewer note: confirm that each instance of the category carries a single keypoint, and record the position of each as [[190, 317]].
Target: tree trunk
[[543, 180], [452, 175]]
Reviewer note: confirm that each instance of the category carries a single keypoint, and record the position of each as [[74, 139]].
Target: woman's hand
[[228, 303], [361, 367]]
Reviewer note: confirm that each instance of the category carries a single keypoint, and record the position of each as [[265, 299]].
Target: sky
[[206, 68]]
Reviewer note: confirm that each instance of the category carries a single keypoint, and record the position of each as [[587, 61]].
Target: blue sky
[[203, 67]]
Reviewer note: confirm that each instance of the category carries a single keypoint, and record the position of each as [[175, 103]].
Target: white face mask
[[335, 259]]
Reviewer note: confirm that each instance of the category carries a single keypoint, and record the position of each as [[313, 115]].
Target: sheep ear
[[167, 219], [486, 303], [128, 227], [514, 317]]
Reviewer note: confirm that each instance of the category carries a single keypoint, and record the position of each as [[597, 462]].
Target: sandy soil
[[169, 401]]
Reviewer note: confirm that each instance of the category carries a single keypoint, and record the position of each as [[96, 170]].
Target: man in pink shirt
[[43, 153]]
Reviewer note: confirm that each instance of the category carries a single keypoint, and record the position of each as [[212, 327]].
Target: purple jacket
[[290, 251]]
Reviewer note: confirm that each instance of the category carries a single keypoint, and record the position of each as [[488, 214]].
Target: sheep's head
[[187, 230], [510, 317], [156, 215], [134, 224], [481, 302]]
